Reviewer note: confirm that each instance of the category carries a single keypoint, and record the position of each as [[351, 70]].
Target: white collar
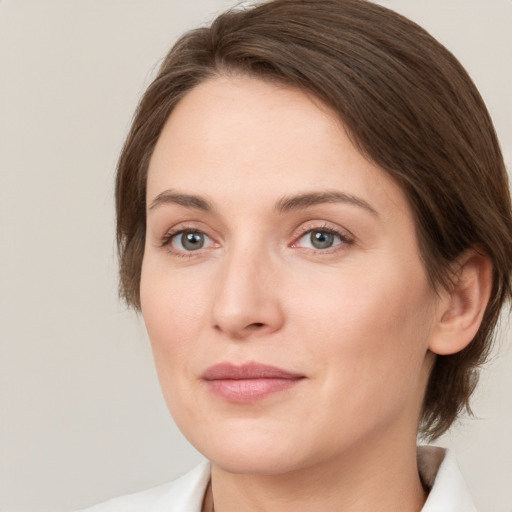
[[439, 472]]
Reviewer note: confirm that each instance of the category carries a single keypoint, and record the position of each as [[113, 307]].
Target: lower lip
[[249, 390]]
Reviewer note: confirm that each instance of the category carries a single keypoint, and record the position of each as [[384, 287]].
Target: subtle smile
[[248, 382]]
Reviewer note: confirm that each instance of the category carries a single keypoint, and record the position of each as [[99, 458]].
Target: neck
[[380, 478]]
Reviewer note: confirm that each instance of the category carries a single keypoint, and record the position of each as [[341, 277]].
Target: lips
[[248, 382]]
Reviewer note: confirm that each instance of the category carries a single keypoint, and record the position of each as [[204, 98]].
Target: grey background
[[82, 418]]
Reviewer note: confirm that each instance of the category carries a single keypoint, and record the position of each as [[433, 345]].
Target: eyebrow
[[303, 201], [285, 204], [186, 200]]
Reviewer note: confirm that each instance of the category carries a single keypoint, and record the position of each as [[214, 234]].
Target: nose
[[247, 302]]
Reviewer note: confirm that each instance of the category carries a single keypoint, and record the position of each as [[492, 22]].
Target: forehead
[[235, 138]]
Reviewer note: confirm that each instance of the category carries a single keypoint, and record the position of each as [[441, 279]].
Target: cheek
[[363, 299], [370, 330], [174, 311]]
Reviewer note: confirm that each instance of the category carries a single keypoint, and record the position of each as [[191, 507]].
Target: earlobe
[[462, 307]]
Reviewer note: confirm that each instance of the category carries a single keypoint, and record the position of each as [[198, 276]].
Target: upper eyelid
[[314, 225], [171, 233], [188, 225]]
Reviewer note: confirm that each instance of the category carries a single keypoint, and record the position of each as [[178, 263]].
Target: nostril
[[256, 324]]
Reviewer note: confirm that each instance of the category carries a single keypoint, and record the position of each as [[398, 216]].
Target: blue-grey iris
[[321, 239], [192, 241]]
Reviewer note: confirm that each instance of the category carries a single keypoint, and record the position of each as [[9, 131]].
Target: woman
[[314, 219]]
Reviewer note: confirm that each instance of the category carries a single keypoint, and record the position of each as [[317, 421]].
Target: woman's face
[[282, 288]]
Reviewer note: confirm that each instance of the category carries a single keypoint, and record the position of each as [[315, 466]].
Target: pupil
[[192, 241], [321, 239]]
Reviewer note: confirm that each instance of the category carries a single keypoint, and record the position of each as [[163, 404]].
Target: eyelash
[[167, 239], [345, 239]]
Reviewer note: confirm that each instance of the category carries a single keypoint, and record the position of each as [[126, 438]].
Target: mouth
[[249, 382]]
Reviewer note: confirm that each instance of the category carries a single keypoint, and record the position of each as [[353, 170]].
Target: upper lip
[[225, 371]]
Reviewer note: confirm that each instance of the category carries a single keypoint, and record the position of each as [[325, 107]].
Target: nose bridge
[[247, 300]]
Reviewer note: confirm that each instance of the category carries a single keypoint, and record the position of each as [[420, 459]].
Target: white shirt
[[438, 470]]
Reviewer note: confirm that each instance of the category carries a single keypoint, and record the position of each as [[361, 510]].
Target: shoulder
[[182, 495]]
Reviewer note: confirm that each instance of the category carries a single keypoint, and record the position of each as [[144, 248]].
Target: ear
[[462, 307]]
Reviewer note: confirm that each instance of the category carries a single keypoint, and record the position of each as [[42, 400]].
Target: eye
[[188, 241], [321, 239]]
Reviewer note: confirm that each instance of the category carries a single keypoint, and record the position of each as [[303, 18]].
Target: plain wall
[[82, 418]]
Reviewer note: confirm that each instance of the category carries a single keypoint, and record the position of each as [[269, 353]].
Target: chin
[[264, 462], [250, 450]]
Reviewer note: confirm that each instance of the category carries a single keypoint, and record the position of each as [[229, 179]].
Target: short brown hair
[[406, 103]]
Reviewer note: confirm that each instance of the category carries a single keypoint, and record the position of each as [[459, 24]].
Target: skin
[[355, 320]]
